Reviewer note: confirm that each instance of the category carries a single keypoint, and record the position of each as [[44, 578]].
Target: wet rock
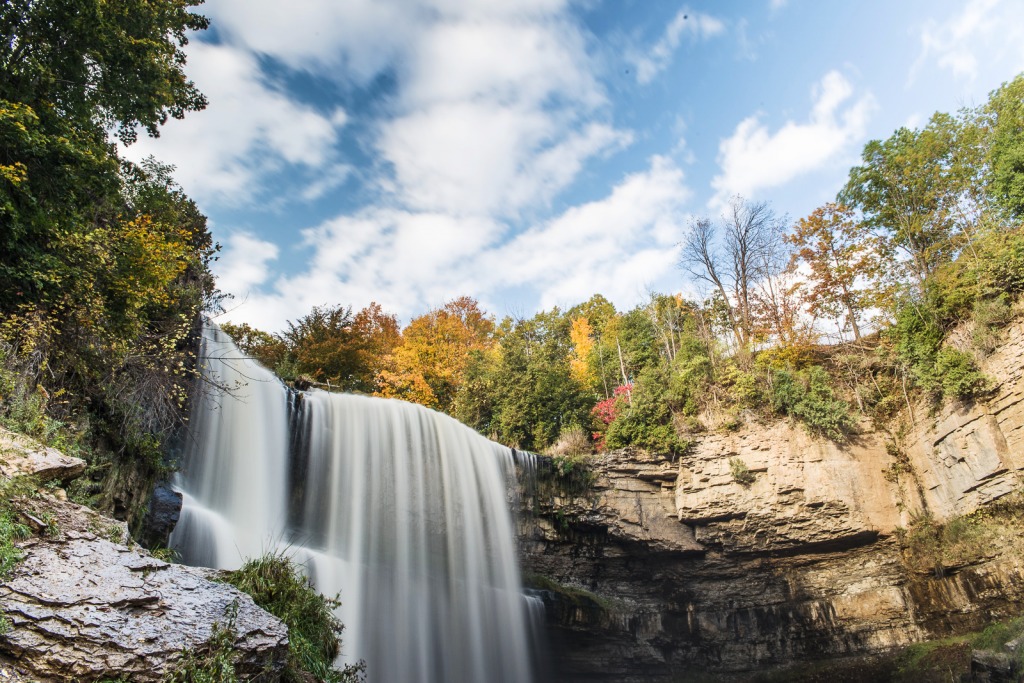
[[163, 514], [992, 667], [20, 456], [84, 607]]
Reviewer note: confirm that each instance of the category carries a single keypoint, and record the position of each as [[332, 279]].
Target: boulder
[[162, 516], [21, 456], [85, 607]]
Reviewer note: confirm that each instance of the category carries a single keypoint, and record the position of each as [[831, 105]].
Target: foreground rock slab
[[85, 608]]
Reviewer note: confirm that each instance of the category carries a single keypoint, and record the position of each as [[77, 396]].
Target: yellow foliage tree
[[581, 334]]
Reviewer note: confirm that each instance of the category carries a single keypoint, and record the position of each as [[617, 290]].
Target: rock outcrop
[[685, 569], [85, 604], [21, 456]]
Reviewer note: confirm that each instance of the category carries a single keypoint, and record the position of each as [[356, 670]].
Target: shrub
[[958, 374], [741, 474], [276, 585], [990, 314], [807, 396], [572, 441], [646, 419]]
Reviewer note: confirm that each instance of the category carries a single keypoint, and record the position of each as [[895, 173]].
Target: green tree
[[100, 63], [1005, 114], [912, 189]]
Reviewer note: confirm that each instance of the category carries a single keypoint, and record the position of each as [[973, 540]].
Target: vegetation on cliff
[[314, 634], [924, 236], [103, 263]]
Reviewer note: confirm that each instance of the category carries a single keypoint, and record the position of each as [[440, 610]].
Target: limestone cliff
[[683, 568]]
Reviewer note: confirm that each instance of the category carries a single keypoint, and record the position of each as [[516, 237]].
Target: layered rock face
[[85, 604], [685, 569]]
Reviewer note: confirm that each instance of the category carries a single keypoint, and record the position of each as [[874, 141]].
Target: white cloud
[[409, 261], [754, 158], [244, 263], [249, 129], [354, 39], [778, 4], [494, 113], [986, 32], [617, 244], [686, 23]]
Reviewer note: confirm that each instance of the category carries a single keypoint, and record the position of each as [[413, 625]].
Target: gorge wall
[[667, 567]]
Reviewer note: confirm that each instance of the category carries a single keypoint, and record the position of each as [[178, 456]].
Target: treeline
[[103, 263], [840, 315]]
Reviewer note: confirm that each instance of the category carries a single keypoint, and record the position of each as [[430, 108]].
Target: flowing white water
[[402, 510]]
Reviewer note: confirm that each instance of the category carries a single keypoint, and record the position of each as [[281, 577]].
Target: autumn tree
[[429, 365], [267, 349], [599, 313], [581, 335], [839, 258]]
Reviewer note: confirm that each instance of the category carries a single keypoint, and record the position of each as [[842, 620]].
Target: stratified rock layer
[[21, 456], [83, 606], [691, 571]]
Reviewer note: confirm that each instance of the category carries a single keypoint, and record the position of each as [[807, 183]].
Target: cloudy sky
[[531, 153]]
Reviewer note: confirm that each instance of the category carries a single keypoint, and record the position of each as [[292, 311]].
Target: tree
[[268, 349], [375, 336], [429, 365], [751, 234], [1005, 114], [912, 190], [536, 396], [835, 249], [100, 63], [581, 336]]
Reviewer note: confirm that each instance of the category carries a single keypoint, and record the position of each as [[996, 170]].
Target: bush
[[958, 374], [572, 441], [990, 314], [644, 418], [314, 633], [741, 474], [807, 396]]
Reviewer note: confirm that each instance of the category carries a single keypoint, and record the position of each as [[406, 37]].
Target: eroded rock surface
[[688, 570], [970, 455], [21, 456], [84, 606]]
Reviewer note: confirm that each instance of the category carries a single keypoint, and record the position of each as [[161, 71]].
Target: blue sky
[[531, 153]]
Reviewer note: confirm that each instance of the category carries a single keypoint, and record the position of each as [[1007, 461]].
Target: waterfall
[[401, 509]]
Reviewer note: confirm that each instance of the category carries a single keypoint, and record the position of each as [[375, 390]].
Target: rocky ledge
[[85, 604]]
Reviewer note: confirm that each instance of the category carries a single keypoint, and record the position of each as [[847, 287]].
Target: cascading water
[[402, 510]]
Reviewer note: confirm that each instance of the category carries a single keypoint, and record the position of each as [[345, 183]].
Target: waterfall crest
[[401, 509]]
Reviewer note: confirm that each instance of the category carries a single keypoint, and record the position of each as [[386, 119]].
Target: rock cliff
[[669, 567]]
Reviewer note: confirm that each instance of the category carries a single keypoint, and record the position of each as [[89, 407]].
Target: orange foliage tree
[[429, 365], [838, 253]]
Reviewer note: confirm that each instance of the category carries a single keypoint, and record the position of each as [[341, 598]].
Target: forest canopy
[[829, 319]]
